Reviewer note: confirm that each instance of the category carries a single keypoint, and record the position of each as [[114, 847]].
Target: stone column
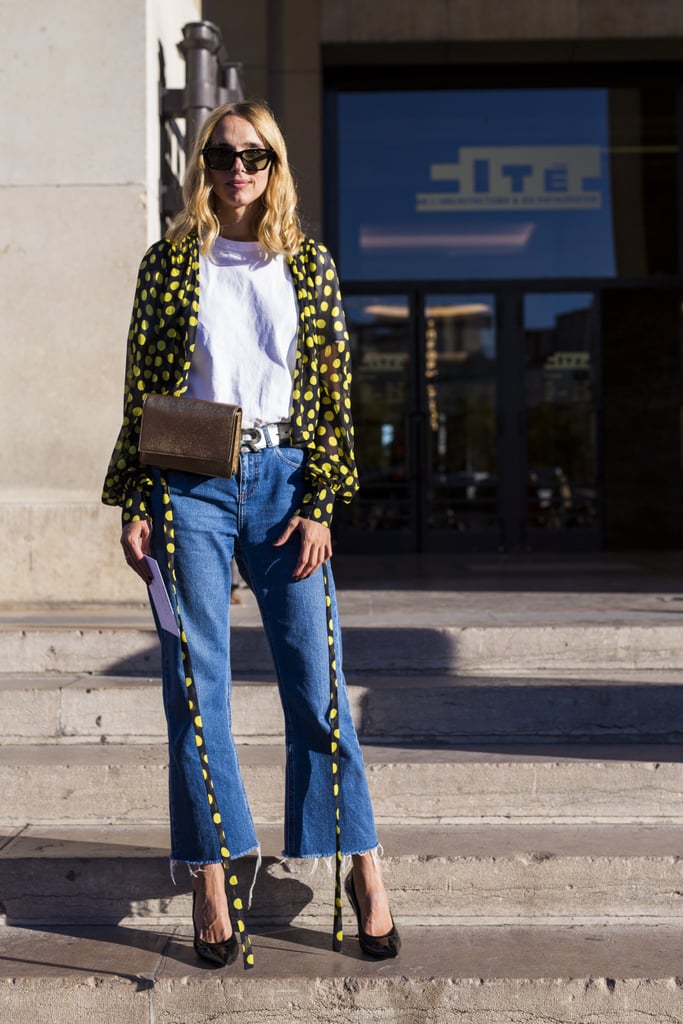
[[79, 178]]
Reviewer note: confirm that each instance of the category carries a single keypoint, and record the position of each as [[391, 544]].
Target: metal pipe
[[200, 46]]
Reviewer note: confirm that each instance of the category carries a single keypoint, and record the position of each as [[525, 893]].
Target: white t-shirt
[[246, 338]]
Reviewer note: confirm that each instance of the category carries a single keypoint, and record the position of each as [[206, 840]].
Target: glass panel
[[380, 333], [502, 184], [560, 402], [460, 355]]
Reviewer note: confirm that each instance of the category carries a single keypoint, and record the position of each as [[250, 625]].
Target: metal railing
[[210, 79]]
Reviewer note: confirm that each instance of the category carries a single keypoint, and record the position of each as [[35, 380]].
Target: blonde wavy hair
[[276, 220]]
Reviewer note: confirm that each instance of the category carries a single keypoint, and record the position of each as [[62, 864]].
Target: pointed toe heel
[[221, 954], [382, 947]]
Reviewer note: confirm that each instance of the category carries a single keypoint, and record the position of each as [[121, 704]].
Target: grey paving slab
[[374, 647], [67, 978], [636, 706], [508, 839], [482, 976], [391, 629], [457, 874], [397, 602], [7, 835], [580, 782]]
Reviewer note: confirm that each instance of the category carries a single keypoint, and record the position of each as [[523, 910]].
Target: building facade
[[500, 185]]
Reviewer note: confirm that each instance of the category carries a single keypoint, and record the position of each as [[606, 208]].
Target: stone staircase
[[523, 751]]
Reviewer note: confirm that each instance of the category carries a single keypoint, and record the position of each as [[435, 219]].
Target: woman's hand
[[135, 541], [316, 545]]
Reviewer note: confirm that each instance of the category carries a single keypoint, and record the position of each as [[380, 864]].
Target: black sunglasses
[[222, 158]]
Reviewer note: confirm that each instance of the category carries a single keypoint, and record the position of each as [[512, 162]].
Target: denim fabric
[[210, 517]]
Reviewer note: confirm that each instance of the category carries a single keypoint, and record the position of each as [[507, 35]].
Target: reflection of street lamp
[[431, 371], [458, 312]]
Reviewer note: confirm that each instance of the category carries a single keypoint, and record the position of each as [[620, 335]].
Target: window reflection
[[460, 357], [380, 339], [560, 333]]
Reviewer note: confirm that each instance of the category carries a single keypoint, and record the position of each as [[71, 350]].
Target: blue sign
[[474, 185]]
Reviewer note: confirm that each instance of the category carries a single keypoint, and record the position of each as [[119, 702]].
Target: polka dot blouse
[[161, 341]]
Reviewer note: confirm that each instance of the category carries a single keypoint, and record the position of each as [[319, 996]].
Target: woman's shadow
[[99, 895]]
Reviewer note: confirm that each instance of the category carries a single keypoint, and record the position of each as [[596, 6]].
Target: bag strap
[[195, 711]]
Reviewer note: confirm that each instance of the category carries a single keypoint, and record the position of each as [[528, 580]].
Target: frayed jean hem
[[195, 868], [309, 864]]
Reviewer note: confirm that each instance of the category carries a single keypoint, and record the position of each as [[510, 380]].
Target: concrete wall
[[79, 204], [481, 20], [278, 43]]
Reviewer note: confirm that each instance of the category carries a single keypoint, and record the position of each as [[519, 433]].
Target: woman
[[236, 306]]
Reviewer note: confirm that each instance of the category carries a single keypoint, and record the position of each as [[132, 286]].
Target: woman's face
[[235, 190]]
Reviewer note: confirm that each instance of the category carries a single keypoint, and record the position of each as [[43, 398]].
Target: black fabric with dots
[[161, 341]]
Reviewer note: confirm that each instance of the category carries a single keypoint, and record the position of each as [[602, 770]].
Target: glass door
[[560, 391], [382, 516], [424, 405], [460, 498], [476, 418]]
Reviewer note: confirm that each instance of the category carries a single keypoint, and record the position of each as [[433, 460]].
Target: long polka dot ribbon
[[337, 929], [195, 711]]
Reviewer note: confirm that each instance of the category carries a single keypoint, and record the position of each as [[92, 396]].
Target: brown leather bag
[[191, 435]]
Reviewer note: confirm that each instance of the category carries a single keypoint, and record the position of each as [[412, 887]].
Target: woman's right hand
[[135, 541]]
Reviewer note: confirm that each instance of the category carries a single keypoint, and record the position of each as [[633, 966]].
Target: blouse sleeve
[[128, 483], [331, 465]]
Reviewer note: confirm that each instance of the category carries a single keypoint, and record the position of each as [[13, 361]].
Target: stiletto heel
[[381, 946], [221, 953]]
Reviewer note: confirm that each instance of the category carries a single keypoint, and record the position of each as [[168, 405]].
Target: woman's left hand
[[316, 545]]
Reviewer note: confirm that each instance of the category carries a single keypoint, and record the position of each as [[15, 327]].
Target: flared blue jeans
[[214, 519]]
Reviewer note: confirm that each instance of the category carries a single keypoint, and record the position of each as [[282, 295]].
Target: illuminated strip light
[[508, 239], [471, 309]]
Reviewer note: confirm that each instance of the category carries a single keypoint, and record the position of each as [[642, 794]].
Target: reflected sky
[[542, 311]]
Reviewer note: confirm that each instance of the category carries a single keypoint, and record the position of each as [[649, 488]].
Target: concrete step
[[127, 783], [438, 875], [384, 631], [478, 975], [636, 706]]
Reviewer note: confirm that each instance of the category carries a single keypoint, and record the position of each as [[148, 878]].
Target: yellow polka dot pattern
[[161, 341], [333, 714], [198, 726]]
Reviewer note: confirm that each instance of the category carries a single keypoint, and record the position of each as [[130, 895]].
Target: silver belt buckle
[[252, 440], [255, 439]]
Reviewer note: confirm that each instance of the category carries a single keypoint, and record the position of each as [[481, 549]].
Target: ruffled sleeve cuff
[[135, 508], [318, 504]]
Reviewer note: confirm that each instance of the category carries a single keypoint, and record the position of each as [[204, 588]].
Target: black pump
[[383, 947], [220, 953]]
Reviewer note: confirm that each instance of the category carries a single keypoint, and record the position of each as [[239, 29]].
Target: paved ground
[[456, 590]]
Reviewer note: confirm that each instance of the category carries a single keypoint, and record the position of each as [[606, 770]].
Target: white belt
[[255, 439]]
